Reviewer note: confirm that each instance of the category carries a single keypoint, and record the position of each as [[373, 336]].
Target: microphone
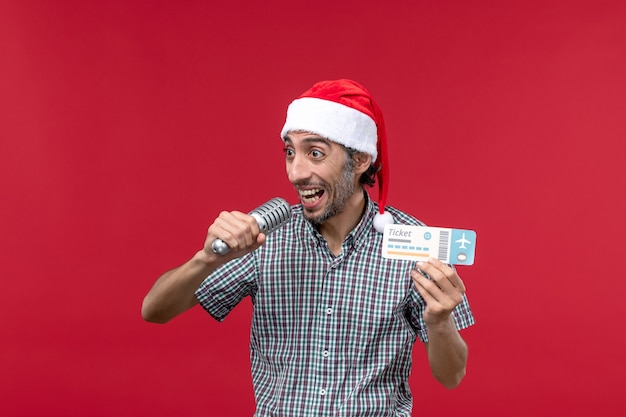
[[269, 216]]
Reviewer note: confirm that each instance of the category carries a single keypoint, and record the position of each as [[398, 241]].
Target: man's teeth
[[310, 195]]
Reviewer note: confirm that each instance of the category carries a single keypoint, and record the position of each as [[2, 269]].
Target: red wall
[[126, 126]]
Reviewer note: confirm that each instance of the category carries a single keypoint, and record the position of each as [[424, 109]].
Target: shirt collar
[[364, 228]]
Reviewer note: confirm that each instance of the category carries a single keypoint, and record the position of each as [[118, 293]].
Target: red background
[[126, 126]]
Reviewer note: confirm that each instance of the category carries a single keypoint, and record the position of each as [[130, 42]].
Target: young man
[[334, 322]]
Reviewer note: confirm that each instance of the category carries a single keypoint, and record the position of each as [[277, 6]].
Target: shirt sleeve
[[221, 291], [462, 315]]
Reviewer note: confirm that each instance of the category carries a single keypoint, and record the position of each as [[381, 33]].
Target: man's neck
[[336, 230]]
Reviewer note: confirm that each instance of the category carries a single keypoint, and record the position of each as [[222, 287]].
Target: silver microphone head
[[269, 216]]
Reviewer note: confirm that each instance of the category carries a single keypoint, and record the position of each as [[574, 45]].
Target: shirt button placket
[[326, 329]]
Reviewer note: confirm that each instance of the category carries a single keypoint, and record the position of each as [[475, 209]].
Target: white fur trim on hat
[[334, 121]]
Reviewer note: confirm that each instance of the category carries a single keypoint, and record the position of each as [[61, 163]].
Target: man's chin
[[314, 220], [321, 218]]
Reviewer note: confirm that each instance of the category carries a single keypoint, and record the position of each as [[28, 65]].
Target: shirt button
[[322, 391], [325, 353], [329, 311]]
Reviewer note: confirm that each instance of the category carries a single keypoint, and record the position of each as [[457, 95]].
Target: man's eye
[[316, 154], [288, 151]]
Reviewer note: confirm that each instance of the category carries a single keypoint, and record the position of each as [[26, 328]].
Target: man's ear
[[362, 162]]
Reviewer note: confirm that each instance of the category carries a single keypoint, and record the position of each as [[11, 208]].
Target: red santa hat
[[345, 112]]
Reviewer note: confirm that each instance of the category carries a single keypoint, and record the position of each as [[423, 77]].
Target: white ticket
[[418, 243]]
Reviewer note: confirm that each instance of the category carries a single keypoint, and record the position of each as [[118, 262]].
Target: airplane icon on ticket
[[463, 241]]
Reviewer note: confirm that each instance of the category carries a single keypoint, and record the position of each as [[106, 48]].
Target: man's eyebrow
[[311, 139]]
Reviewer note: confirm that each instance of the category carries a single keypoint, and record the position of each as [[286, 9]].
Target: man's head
[[345, 113], [325, 174]]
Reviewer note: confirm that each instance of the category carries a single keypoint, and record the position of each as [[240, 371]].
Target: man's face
[[321, 173]]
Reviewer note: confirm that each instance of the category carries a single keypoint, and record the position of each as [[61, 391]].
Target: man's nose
[[298, 169]]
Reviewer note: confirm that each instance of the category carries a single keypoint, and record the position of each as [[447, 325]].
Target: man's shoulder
[[402, 217]]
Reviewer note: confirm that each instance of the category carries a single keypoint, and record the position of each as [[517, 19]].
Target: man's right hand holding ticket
[[442, 291]]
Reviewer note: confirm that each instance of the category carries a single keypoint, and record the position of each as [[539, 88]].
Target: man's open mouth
[[311, 196]]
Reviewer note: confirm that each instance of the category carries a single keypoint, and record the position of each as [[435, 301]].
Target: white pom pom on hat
[[345, 112]]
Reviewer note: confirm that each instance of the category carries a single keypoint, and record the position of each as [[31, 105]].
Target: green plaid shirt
[[331, 335]]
